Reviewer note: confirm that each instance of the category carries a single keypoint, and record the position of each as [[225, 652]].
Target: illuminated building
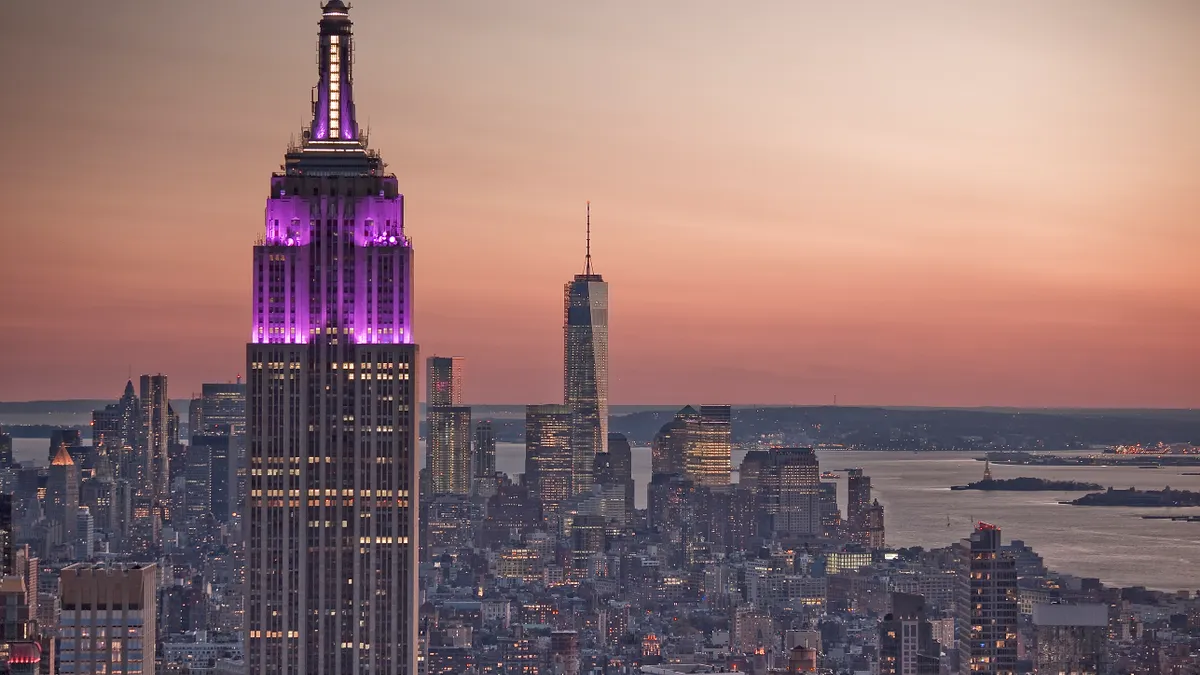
[[118, 426], [108, 622], [839, 561], [906, 644], [707, 462], [448, 446], [155, 438], [8, 561], [223, 415], [548, 455], [791, 490], [992, 577], [519, 563], [697, 445], [331, 513], [62, 492], [585, 366]]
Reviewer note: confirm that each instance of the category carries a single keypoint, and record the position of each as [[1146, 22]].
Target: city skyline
[[960, 207]]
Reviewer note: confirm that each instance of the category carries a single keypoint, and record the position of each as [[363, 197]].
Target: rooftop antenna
[[587, 267]]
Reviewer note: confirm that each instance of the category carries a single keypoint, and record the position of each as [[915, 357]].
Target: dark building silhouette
[[906, 644]]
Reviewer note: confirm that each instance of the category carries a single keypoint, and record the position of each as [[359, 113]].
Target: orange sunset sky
[[917, 203]]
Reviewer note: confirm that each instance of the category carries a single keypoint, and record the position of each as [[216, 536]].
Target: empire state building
[[331, 511]]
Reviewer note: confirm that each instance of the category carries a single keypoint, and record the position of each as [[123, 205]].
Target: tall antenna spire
[[587, 266]]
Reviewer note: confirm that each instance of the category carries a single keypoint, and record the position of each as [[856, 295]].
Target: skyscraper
[[155, 439], [615, 467], [992, 576], [906, 644], [708, 460], [331, 532], [448, 445], [118, 427], [791, 490], [62, 492], [548, 456], [485, 451], [108, 622], [585, 366]]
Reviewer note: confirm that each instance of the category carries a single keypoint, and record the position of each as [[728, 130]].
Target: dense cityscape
[[303, 518]]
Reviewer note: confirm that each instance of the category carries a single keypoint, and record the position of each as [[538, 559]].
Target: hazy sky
[[929, 203]]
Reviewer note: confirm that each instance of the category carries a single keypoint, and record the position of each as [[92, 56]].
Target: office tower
[[85, 527], [108, 621], [118, 427], [485, 450], [790, 486], [62, 492], [222, 407], [548, 457], [448, 445], [220, 424], [858, 496], [331, 513], [831, 515], [198, 487], [585, 366], [20, 653], [871, 531], [1070, 639], [992, 576], [615, 467], [155, 438], [906, 644], [708, 459], [670, 444], [71, 438], [6, 446]]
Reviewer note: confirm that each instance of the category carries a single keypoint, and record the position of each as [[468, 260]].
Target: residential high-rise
[[118, 427], [585, 366], [791, 487], [906, 644], [62, 492], [858, 496], [548, 457], [331, 512], [448, 444], [992, 579], [445, 383], [155, 438], [109, 620]]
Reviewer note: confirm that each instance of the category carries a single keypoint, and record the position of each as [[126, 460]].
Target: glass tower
[[585, 368], [331, 509]]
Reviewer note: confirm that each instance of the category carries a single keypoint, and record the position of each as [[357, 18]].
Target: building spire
[[333, 109], [587, 264]]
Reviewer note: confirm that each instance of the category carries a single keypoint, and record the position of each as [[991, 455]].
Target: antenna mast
[[587, 267]]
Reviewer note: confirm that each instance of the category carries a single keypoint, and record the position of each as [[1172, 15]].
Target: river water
[[1112, 543]]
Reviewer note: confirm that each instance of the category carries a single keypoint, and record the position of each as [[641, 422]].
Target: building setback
[[331, 511]]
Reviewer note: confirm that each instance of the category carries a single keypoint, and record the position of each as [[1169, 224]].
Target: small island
[[1135, 497], [1029, 485]]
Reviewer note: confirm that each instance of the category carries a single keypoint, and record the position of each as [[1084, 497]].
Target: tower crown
[[333, 102]]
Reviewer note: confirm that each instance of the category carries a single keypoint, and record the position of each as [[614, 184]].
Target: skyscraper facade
[[548, 453], [331, 512], [708, 460], [62, 493], [585, 367], [108, 622], [791, 487], [448, 444], [485, 450], [155, 438], [992, 578]]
